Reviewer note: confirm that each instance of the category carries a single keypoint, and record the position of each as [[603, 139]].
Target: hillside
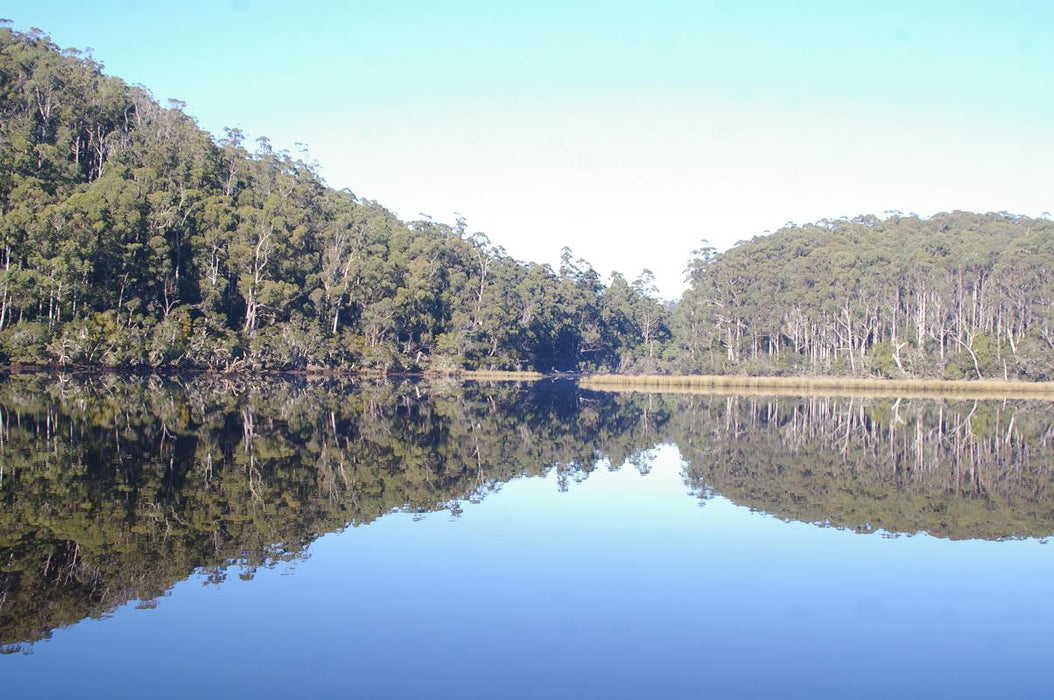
[[957, 295], [130, 237]]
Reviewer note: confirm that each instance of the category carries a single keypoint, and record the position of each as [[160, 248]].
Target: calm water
[[266, 539]]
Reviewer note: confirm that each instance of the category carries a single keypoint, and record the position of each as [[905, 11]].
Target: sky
[[629, 132]]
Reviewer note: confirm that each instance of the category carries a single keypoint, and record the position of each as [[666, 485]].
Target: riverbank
[[825, 386], [644, 383], [310, 373], [494, 375]]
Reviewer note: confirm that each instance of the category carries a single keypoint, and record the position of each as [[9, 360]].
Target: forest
[[132, 238], [956, 295]]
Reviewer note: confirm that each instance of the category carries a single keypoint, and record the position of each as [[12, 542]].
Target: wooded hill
[[132, 238], [956, 295]]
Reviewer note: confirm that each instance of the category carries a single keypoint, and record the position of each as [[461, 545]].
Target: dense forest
[[132, 238], [956, 295], [115, 488]]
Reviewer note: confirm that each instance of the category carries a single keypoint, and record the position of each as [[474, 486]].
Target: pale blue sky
[[627, 131]]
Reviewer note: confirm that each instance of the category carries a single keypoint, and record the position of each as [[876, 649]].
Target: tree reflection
[[113, 489], [962, 469]]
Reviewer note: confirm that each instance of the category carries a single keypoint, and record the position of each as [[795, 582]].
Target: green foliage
[[24, 343], [99, 339], [139, 240], [956, 295], [881, 362]]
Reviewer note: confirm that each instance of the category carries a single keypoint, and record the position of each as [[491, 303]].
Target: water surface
[[222, 538]]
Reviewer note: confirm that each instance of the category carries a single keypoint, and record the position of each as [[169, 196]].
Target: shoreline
[[817, 386], [309, 373], [638, 383]]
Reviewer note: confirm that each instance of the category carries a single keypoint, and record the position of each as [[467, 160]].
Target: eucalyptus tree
[[953, 295]]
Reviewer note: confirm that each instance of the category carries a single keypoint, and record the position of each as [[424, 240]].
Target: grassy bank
[[827, 386], [494, 375]]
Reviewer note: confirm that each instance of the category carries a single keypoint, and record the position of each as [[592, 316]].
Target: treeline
[[957, 295], [113, 489], [130, 237]]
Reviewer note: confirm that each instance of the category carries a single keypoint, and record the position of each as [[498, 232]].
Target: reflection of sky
[[621, 587]]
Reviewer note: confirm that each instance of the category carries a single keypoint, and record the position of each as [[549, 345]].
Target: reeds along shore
[[495, 375], [818, 385]]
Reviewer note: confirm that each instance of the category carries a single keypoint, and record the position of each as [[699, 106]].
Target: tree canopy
[[130, 237], [955, 295]]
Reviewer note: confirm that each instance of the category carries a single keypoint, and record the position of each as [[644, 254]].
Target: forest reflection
[[113, 489]]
